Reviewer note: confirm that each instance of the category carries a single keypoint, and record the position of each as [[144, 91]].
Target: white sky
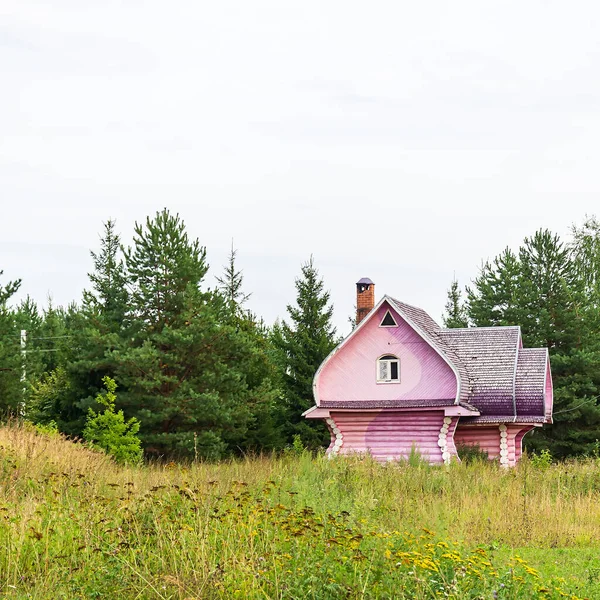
[[402, 141]]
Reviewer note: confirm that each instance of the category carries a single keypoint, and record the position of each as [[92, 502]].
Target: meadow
[[75, 525]]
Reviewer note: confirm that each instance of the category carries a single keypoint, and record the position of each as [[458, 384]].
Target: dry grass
[[74, 525]]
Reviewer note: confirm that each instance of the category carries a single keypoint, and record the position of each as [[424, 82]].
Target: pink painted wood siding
[[351, 374], [549, 395], [389, 435], [487, 437], [451, 444], [519, 441]]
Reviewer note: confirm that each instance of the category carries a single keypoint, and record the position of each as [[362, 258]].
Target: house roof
[[432, 330], [498, 379], [489, 356], [497, 375]]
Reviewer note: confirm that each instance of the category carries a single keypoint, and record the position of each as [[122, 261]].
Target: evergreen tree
[[11, 360], [231, 283], [302, 344], [106, 303], [585, 247], [456, 312], [101, 327], [182, 367], [53, 347], [261, 432], [164, 269], [542, 291], [494, 299], [78, 343]]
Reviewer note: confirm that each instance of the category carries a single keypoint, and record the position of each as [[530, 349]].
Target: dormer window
[[388, 320], [388, 369]]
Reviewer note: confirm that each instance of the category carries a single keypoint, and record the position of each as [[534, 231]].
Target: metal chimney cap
[[364, 281]]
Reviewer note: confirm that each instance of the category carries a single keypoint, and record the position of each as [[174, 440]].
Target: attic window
[[388, 320], [388, 369]]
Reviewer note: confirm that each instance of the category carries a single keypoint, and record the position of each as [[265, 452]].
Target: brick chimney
[[365, 298]]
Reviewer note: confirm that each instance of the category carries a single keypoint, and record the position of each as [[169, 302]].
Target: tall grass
[[74, 525]]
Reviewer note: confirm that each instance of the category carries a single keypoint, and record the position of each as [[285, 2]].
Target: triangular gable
[[388, 320], [423, 334]]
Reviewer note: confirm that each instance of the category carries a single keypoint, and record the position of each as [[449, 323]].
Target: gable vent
[[388, 320]]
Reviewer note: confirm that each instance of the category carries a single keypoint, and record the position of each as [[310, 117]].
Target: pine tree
[[182, 368], [302, 345], [164, 268], [456, 312]]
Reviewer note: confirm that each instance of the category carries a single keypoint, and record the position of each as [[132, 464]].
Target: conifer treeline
[[206, 377], [551, 288], [203, 375]]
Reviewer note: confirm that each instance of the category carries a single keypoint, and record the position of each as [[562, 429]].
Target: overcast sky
[[402, 141]]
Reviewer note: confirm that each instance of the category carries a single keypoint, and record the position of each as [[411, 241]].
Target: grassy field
[[74, 525]]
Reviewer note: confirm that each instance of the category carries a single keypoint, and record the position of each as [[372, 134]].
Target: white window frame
[[387, 359]]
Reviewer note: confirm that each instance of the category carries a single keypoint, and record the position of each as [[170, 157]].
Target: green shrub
[[50, 428], [542, 460], [470, 453], [415, 458], [109, 430]]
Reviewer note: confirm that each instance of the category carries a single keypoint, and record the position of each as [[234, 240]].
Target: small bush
[[415, 459], [109, 431], [50, 428], [542, 460], [296, 448], [470, 453]]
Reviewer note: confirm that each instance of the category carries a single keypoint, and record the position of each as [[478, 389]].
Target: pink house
[[399, 381]]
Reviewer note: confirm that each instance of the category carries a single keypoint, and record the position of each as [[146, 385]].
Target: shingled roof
[[497, 375]]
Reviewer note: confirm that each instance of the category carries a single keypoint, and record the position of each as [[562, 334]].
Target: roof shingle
[[497, 375]]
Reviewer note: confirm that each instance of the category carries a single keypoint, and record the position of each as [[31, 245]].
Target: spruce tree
[[231, 284], [541, 290], [54, 348], [585, 246], [79, 342], [455, 311], [106, 303], [260, 373], [103, 324], [302, 344], [494, 297]]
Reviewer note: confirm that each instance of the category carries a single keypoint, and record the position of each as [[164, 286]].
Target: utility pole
[[24, 371]]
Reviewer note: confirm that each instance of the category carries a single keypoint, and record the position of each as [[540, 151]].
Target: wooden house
[[400, 381]]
